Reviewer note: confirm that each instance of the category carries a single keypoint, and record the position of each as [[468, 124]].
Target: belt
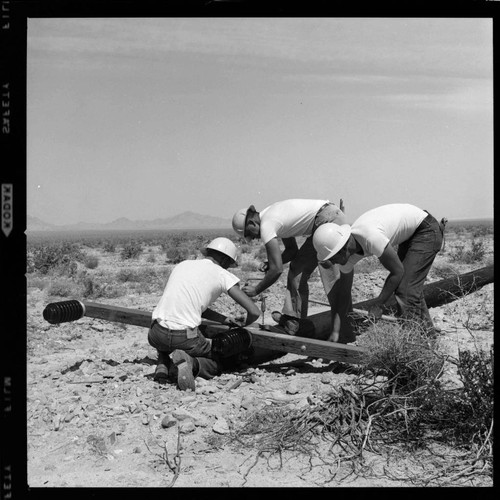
[[428, 218], [184, 330]]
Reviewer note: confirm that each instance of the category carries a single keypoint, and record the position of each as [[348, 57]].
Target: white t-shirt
[[288, 219], [193, 285], [376, 228]]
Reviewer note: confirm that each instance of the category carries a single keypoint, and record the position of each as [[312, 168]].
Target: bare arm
[[390, 260], [239, 296], [275, 268]]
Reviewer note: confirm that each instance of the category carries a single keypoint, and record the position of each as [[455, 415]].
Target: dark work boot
[[162, 368], [184, 365]]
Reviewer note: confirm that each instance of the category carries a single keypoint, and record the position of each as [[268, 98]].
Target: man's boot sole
[[185, 377]]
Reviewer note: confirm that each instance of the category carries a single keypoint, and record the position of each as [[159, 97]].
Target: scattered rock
[[302, 403], [182, 414], [326, 378], [186, 426], [112, 438], [247, 402], [201, 422], [188, 399], [293, 388], [145, 418], [221, 426], [57, 422], [168, 421], [209, 389]]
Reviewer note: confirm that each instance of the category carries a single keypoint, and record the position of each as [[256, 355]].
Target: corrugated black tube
[[62, 312], [232, 342]]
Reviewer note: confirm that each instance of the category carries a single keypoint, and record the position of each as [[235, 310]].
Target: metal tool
[[263, 307]]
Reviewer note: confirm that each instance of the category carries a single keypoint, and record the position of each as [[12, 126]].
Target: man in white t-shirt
[[193, 285], [417, 234], [288, 220]]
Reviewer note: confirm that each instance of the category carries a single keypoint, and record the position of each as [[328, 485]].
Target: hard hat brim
[[203, 251], [347, 233]]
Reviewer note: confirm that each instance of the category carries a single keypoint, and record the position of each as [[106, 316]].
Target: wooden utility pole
[[314, 330]]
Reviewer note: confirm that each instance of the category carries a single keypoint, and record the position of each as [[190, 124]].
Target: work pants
[[304, 263], [417, 255], [166, 341]]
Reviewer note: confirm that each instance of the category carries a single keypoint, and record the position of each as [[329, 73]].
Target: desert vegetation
[[418, 411]]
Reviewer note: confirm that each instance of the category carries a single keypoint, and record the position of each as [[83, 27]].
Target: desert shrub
[[93, 289], [62, 288], [474, 254], [245, 248], [177, 254], [90, 261], [147, 277], [36, 282], [249, 266], [109, 246], [60, 257], [131, 250], [376, 414], [261, 253], [481, 231], [134, 275], [124, 275], [463, 415], [403, 353], [443, 270]]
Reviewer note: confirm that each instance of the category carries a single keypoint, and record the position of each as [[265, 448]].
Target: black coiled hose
[[62, 312], [232, 342]]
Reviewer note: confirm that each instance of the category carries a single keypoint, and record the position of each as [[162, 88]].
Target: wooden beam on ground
[[107, 312], [443, 292], [314, 330], [263, 342], [306, 347]]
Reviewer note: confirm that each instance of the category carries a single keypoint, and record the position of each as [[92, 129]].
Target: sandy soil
[[96, 418]]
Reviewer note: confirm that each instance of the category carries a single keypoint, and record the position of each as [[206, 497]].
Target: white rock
[[247, 402], [221, 426], [182, 414], [201, 422], [186, 426], [209, 389]]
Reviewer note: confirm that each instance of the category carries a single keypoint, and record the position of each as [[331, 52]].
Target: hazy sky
[[147, 118]]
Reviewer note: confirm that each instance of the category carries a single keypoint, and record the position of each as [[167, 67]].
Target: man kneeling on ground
[[183, 352]]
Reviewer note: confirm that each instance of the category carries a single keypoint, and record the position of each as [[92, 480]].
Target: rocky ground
[[96, 418]]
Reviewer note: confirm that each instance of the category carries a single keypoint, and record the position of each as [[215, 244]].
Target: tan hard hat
[[329, 238]]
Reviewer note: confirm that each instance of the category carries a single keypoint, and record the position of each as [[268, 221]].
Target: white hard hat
[[239, 219], [329, 238], [223, 245]]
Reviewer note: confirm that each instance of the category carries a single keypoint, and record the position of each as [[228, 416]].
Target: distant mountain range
[[185, 220]]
